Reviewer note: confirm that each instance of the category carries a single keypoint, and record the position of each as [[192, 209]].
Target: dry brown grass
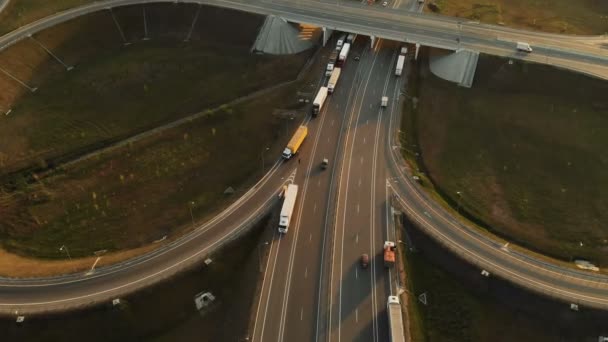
[[16, 266]]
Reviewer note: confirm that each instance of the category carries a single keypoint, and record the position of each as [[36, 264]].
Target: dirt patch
[[15, 266], [584, 17]]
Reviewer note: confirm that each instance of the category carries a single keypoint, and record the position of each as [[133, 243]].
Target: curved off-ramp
[[38, 295]]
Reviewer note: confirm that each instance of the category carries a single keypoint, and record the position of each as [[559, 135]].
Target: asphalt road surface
[[314, 265]]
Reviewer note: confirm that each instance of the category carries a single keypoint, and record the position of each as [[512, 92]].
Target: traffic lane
[[366, 62], [301, 310], [385, 285], [357, 301], [369, 131]]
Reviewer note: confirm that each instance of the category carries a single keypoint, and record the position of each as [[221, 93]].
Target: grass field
[[559, 16], [522, 153], [115, 91], [456, 313], [148, 189]]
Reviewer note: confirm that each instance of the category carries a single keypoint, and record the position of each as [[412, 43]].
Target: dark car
[[364, 260]]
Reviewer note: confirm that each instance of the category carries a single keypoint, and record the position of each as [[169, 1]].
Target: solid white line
[[274, 264], [354, 90], [306, 272], [283, 318], [346, 194]]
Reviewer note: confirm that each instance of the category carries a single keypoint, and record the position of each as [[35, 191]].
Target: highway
[[313, 289]]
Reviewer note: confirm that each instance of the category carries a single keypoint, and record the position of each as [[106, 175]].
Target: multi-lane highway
[[313, 288]]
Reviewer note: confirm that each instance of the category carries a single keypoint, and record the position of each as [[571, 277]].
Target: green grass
[[114, 91], [455, 313], [145, 190], [560, 16], [525, 149]]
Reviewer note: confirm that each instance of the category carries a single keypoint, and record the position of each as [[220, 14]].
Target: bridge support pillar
[[326, 34], [372, 40], [417, 49]]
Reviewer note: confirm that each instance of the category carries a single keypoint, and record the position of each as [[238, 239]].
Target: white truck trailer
[[343, 54], [317, 104], [395, 320], [333, 80], [287, 210], [400, 64]]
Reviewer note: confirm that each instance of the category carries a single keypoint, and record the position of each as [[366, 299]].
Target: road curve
[[488, 253], [37, 295]]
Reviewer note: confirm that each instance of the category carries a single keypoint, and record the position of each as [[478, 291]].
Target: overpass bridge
[[584, 54]]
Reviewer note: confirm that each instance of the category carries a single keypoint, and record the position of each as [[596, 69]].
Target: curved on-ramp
[[73, 291], [525, 269]]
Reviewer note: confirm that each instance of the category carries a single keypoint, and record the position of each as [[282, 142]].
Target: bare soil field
[[22, 12], [154, 187], [585, 17], [522, 153]]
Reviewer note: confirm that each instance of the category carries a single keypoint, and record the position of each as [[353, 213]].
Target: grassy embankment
[[146, 190], [522, 153], [165, 312], [457, 313], [586, 17], [22, 12]]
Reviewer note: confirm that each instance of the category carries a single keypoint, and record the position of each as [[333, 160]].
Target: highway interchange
[[313, 289]]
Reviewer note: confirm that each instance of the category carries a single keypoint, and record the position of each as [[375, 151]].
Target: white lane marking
[[357, 315], [359, 182], [348, 169], [319, 183], [362, 159], [356, 273], [364, 140], [358, 208], [314, 208], [310, 237], [357, 238], [373, 210], [332, 123], [306, 272], [301, 313], [298, 216]]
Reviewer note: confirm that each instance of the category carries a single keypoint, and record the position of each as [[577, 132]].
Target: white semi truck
[[343, 54], [333, 80], [317, 104], [395, 320], [400, 63], [287, 210], [525, 47]]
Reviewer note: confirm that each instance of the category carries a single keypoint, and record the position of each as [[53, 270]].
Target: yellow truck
[[296, 141]]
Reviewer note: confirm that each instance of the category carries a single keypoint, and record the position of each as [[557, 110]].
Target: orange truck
[[389, 254]]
